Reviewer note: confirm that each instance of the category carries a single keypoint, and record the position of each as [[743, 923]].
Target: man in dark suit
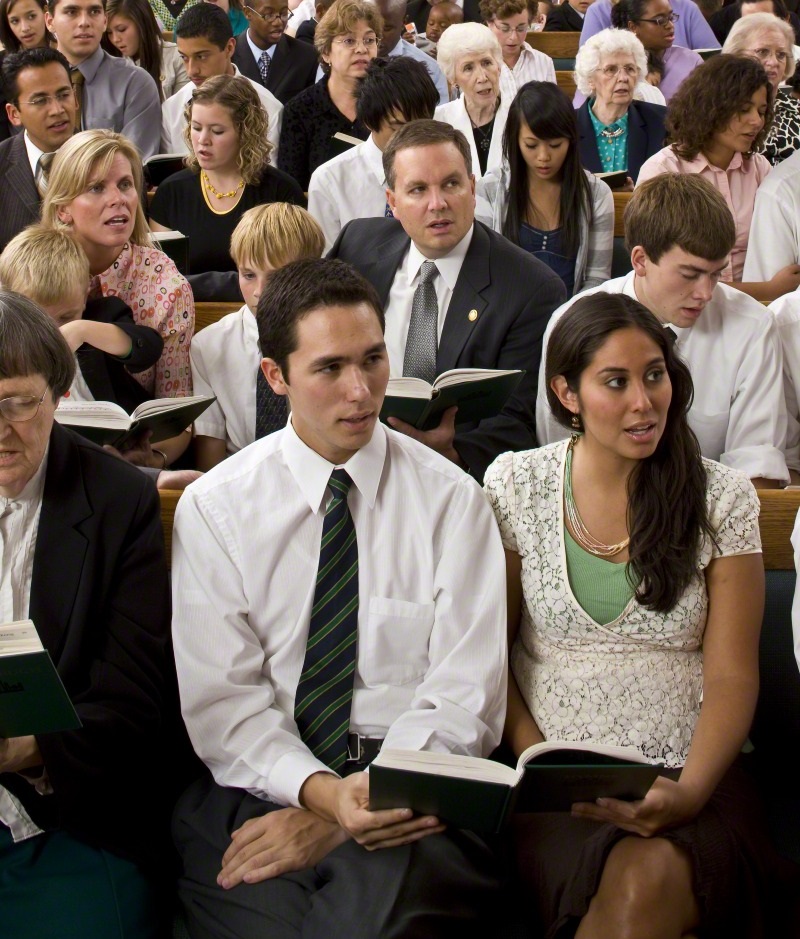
[[41, 100], [567, 17], [492, 299], [419, 10], [283, 65]]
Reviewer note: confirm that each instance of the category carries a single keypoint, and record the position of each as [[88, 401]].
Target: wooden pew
[[621, 200], [169, 502], [207, 313], [556, 45], [566, 81]]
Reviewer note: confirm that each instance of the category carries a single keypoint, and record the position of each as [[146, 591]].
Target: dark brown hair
[[710, 97], [423, 134], [32, 344], [667, 515]]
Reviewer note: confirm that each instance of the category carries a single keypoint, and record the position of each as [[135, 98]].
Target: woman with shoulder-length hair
[[228, 172], [542, 198], [635, 597], [94, 192]]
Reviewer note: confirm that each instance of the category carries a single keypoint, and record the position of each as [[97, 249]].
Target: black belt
[[362, 750]]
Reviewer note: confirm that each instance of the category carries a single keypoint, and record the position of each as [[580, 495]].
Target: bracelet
[[162, 455]]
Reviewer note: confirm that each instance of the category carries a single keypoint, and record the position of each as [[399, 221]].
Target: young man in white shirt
[[352, 185], [206, 46], [680, 233], [281, 842]]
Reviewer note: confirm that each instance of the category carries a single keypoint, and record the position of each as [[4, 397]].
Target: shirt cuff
[[289, 773], [766, 462]]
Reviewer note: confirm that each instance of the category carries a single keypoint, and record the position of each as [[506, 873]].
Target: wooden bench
[[207, 313], [566, 82], [556, 45]]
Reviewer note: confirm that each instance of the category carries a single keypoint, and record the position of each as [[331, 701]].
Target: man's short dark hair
[[300, 288], [15, 62], [395, 85], [424, 134], [205, 21], [31, 344]]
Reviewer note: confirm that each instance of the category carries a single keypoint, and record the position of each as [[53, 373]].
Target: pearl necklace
[[216, 192], [579, 530]]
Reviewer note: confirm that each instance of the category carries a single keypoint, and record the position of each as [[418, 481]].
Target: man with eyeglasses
[[265, 54], [42, 102]]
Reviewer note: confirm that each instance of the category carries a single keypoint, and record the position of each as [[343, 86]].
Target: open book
[[105, 422], [468, 792], [478, 392], [32, 698], [161, 165]]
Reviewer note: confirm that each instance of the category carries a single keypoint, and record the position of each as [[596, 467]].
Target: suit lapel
[[244, 60], [19, 178], [467, 305], [60, 545], [590, 156], [388, 253], [637, 139], [281, 63]]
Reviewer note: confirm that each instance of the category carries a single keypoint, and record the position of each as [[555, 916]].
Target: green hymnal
[[468, 792], [32, 698], [477, 392], [105, 422]]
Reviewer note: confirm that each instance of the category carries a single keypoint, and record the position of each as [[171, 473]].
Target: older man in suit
[[283, 65], [457, 295], [42, 101]]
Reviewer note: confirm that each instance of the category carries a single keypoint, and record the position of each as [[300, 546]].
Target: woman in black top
[[346, 39], [227, 173]]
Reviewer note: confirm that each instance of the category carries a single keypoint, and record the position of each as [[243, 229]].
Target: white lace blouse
[[638, 680]]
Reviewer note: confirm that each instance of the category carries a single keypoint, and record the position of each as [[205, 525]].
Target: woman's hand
[[666, 805]]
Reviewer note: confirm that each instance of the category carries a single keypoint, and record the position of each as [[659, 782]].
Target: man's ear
[[565, 394], [390, 200], [274, 375], [13, 114], [638, 261]]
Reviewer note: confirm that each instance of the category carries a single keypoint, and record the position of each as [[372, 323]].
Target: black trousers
[[441, 886]]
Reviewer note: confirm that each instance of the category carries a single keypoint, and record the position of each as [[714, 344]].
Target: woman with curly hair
[[718, 121], [227, 172]]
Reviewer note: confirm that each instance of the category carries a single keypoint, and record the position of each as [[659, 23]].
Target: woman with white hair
[[770, 41], [471, 59], [616, 132]]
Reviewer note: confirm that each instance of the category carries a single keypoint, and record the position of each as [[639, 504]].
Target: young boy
[[50, 268], [226, 359]]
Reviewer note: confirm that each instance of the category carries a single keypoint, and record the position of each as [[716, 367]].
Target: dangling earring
[[576, 421]]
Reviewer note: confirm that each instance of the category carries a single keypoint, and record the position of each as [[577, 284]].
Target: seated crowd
[[583, 564]]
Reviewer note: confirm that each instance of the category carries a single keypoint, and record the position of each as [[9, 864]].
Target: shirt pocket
[[711, 431], [394, 648]]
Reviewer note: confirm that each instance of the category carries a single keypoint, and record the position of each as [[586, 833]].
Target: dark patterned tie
[[423, 329], [271, 410], [263, 67], [325, 691], [76, 77], [43, 172]]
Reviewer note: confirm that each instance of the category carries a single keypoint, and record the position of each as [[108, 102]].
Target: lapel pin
[[472, 315]]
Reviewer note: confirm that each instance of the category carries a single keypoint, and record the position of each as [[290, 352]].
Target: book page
[[19, 638], [447, 764]]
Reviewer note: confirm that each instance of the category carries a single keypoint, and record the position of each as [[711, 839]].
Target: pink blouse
[[738, 184], [160, 297]]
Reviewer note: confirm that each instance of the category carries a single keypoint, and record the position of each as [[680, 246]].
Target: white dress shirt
[[225, 361], [533, 66], [734, 354], [775, 228], [34, 153], [786, 310], [431, 659], [401, 296], [19, 524], [173, 121], [351, 185]]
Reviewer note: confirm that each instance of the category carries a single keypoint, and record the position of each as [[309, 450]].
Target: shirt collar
[[257, 53], [449, 266], [33, 152], [88, 68], [311, 472], [373, 156], [700, 162]]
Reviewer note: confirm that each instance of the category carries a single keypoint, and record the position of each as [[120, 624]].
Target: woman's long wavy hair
[[667, 515], [141, 14], [549, 114]]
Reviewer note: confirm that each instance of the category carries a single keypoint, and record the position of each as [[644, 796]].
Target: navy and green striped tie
[[325, 691]]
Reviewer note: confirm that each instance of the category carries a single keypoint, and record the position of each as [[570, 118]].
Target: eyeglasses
[[20, 408], [521, 30], [764, 55], [285, 15], [349, 42], [63, 97], [664, 20], [611, 71]]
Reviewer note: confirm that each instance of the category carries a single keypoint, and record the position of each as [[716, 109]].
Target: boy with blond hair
[[226, 358]]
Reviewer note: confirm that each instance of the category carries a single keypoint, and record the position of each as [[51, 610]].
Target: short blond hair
[[275, 235], [44, 264], [86, 156]]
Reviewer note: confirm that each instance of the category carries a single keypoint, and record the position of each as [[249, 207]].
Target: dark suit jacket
[[563, 19], [100, 602], [293, 68], [513, 294], [418, 10], [110, 378], [20, 205], [645, 136]]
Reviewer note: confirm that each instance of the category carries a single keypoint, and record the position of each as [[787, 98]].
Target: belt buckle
[[356, 739]]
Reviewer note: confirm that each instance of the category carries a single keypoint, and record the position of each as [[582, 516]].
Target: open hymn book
[[468, 792], [32, 698]]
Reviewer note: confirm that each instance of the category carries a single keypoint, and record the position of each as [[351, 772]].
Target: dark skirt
[[744, 889]]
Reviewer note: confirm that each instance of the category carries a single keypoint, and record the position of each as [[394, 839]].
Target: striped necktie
[[325, 691]]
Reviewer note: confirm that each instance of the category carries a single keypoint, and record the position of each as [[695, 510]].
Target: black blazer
[[512, 293], [20, 205], [563, 19], [100, 602], [418, 10], [645, 136], [293, 68]]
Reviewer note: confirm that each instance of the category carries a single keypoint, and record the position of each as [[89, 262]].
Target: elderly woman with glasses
[[346, 39], [770, 41], [616, 132], [653, 23]]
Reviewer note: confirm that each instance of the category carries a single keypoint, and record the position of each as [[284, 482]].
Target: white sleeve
[[323, 206], [211, 422], [548, 430], [787, 319], [774, 236]]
